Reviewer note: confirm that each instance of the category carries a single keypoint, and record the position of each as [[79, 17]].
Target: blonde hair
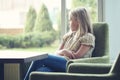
[[83, 18]]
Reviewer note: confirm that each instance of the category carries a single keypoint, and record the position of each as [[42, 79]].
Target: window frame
[[101, 10]]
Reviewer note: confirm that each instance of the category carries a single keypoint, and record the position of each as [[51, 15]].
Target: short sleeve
[[88, 39]]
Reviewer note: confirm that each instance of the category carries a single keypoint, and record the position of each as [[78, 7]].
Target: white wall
[[112, 16]]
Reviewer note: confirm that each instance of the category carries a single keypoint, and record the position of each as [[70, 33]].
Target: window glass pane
[[13, 12], [14, 15], [54, 8], [91, 5]]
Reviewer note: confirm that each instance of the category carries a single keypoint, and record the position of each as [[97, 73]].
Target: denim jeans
[[50, 64]]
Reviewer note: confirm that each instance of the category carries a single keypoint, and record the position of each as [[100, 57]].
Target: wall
[[112, 16], [11, 31]]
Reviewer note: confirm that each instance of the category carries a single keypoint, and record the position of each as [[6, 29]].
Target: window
[[91, 5], [13, 13]]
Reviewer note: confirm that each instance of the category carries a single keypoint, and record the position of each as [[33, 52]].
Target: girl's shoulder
[[88, 35]]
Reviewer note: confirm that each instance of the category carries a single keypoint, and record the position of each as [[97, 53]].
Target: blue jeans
[[50, 64]]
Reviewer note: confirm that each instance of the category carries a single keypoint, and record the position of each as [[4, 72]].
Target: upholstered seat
[[95, 68]]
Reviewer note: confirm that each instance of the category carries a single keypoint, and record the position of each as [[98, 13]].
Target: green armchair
[[101, 51], [83, 71]]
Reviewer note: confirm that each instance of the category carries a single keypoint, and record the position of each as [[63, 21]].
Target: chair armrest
[[104, 59], [89, 68], [69, 76]]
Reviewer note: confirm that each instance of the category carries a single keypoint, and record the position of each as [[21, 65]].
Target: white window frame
[[63, 17], [101, 10]]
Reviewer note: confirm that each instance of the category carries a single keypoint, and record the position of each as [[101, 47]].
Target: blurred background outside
[[35, 25]]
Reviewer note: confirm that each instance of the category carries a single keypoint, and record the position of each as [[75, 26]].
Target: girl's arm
[[60, 49], [81, 51]]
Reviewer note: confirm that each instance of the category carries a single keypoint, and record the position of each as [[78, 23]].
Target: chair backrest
[[101, 33], [116, 66]]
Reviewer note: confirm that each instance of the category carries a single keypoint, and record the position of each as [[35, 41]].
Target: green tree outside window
[[43, 22], [30, 19]]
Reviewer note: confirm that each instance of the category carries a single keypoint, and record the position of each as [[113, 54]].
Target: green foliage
[[18, 41], [90, 4], [27, 40], [30, 19], [6, 41], [43, 22], [48, 37]]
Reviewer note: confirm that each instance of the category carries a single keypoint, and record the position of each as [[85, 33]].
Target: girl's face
[[73, 23]]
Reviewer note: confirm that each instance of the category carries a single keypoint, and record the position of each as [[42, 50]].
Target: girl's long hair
[[83, 18]]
